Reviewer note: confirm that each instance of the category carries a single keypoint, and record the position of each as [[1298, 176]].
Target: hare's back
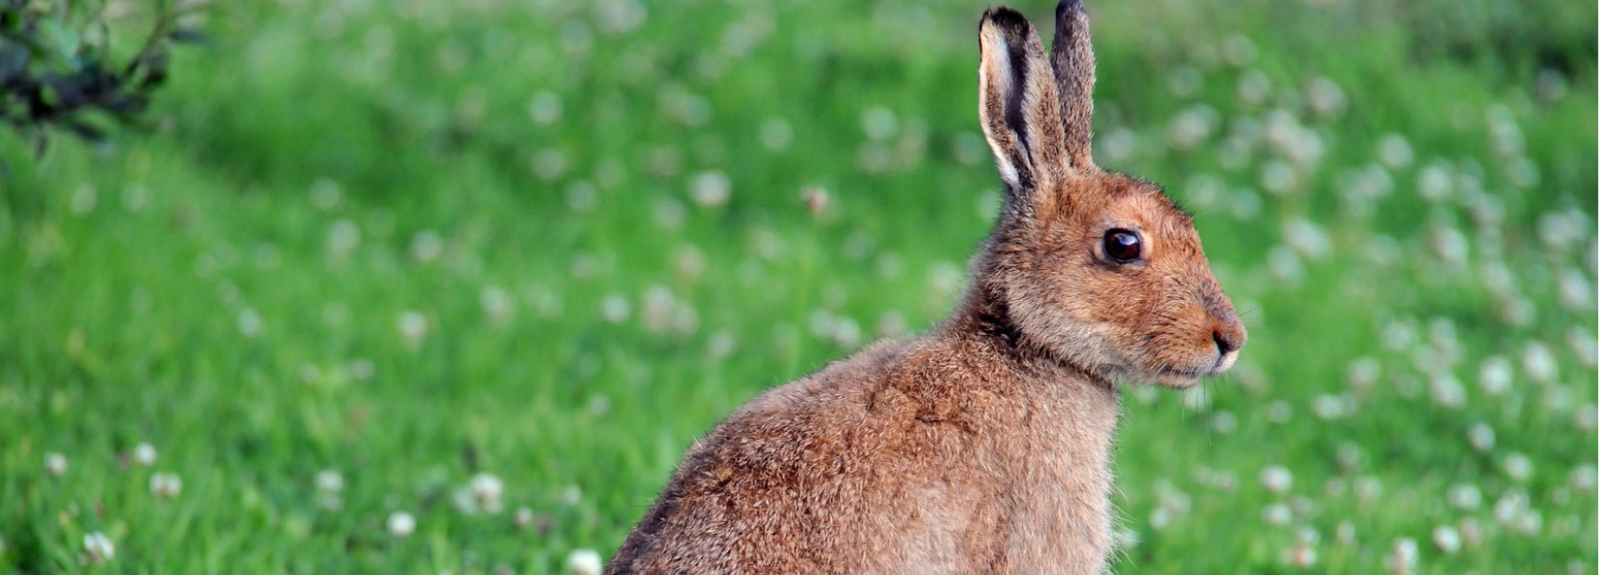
[[843, 471]]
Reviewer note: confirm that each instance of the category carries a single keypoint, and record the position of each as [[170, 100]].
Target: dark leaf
[[190, 36], [87, 132]]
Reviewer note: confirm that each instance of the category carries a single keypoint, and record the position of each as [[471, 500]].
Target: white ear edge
[[1002, 75]]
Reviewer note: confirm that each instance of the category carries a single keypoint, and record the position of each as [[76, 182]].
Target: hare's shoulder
[[875, 410], [855, 465]]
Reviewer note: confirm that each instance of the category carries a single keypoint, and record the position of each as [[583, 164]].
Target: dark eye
[[1122, 246]]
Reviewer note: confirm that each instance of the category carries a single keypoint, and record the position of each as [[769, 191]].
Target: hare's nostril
[[1226, 341]]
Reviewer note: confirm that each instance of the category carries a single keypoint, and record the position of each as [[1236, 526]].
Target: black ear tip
[[1006, 18], [1067, 8]]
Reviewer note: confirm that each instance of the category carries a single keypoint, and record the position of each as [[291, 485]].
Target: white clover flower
[[1530, 522], [614, 308], [1306, 238], [1301, 555], [776, 134], [1278, 177], [343, 237], [1368, 488], [166, 485], [1511, 505], [1325, 97], [1481, 436], [1447, 539], [1449, 244], [721, 345], [1238, 50], [1277, 514], [1362, 373], [584, 562], [1285, 265], [250, 324], [1576, 294], [497, 304], [1518, 466], [846, 332], [879, 123], [1494, 376], [1253, 88], [1328, 406], [97, 548], [1471, 531], [710, 189], [1119, 145], [544, 108], [1447, 391], [1434, 182], [1539, 362], [1583, 478], [1399, 334], [401, 524], [1583, 345], [1184, 81], [329, 481], [1277, 478], [55, 463], [570, 495], [616, 17], [817, 200], [1349, 455], [1402, 557], [1394, 151], [1557, 231], [1192, 126], [488, 489], [413, 326], [1160, 517], [657, 310], [144, 453], [548, 164], [523, 517], [426, 246], [1345, 532], [1224, 423], [1279, 412], [1464, 496]]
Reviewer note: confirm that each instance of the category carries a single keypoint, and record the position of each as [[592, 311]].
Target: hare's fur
[[983, 447]]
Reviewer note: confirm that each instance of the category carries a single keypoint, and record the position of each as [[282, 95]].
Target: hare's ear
[[1018, 107], [1072, 59]]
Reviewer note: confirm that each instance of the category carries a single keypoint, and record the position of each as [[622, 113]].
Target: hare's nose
[[1228, 334], [1227, 341]]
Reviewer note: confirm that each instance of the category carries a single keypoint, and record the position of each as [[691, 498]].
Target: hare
[[984, 446]]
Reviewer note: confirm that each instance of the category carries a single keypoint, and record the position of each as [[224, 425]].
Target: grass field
[[490, 266]]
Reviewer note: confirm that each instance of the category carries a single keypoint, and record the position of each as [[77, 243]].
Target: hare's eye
[[1121, 246]]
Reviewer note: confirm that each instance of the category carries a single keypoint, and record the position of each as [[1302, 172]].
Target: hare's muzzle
[[1228, 333]]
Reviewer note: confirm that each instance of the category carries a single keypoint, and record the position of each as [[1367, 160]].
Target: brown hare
[[984, 446]]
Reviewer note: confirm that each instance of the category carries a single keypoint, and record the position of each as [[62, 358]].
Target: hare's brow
[[1171, 201]]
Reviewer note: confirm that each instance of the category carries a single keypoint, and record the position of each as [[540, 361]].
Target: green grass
[[232, 289]]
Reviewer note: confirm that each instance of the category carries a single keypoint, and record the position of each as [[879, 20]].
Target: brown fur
[[983, 447]]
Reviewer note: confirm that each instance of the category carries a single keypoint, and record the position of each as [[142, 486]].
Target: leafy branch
[[58, 69]]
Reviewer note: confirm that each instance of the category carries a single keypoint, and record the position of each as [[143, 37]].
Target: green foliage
[[59, 69], [417, 244]]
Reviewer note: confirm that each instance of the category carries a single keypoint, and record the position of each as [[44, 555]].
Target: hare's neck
[[983, 315], [1053, 439]]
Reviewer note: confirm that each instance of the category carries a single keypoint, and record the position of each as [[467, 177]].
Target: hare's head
[[1097, 269]]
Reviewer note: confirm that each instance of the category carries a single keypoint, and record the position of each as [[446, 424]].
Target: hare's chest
[[1060, 520]]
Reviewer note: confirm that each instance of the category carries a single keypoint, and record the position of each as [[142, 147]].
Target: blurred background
[[448, 287]]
